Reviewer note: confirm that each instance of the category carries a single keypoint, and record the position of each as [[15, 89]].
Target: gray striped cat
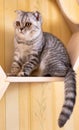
[[42, 54]]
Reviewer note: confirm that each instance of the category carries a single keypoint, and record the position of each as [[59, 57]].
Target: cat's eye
[[28, 24], [17, 23]]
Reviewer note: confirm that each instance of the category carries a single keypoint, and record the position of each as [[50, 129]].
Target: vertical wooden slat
[[24, 88], [57, 23], [2, 49], [12, 110], [24, 106], [2, 45], [12, 113], [59, 98], [42, 106]]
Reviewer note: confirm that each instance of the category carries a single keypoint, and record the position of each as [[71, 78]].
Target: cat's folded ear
[[18, 11], [37, 16]]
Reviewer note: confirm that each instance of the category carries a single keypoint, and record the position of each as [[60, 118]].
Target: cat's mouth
[[22, 33]]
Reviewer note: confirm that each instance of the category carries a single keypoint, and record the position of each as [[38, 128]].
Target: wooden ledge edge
[[34, 79]]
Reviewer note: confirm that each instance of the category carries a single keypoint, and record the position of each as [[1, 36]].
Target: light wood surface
[[34, 105], [2, 60], [73, 50], [70, 10], [12, 107], [34, 79]]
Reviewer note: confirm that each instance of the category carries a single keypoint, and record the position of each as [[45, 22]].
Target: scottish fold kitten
[[45, 53]]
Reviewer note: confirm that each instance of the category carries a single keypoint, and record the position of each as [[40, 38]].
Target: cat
[[45, 53]]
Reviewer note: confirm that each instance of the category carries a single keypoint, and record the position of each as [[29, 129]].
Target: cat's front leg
[[15, 68], [30, 65]]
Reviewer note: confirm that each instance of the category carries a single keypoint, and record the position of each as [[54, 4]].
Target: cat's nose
[[21, 29]]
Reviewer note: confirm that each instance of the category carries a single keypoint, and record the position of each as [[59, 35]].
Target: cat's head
[[27, 24]]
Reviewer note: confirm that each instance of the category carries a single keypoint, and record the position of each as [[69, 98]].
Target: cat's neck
[[36, 40]]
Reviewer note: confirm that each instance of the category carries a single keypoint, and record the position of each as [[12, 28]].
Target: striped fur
[[44, 54], [70, 97]]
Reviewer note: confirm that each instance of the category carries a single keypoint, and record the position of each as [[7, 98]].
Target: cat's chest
[[23, 50]]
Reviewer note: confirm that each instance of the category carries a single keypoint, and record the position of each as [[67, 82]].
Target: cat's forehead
[[25, 16], [33, 17]]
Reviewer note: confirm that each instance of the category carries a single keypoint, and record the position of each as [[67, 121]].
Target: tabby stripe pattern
[[70, 96], [31, 65]]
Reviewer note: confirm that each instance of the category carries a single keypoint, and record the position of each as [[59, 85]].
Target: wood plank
[[2, 53], [42, 106], [57, 23], [12, 113], [24, 89], [2, 114], [24, 106]]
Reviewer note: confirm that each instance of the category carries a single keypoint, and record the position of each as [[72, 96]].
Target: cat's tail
[[70, 97]]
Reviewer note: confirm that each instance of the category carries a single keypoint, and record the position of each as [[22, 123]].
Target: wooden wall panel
[[42, 106], [12, 107], [12, 113], [2, 52], [2, 58], [24, 89], [24, 106], [32, 106]]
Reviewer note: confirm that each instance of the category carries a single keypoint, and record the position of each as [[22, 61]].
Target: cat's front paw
[[11, 74], [21, 74]]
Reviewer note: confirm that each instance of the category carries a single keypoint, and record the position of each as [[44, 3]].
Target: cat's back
[[55, 47], [54, 42], [51, 39]]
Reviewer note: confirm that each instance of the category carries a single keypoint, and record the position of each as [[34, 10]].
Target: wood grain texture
[[32, 106], [12, 103], [73, 50], [24, 106], [71, 9], [24, 89], [2, 63], [2, 45], [42, 106]]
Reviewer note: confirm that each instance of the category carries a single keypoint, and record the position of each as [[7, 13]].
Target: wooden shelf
[[34, 79], [73, 49], [5, 81]]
